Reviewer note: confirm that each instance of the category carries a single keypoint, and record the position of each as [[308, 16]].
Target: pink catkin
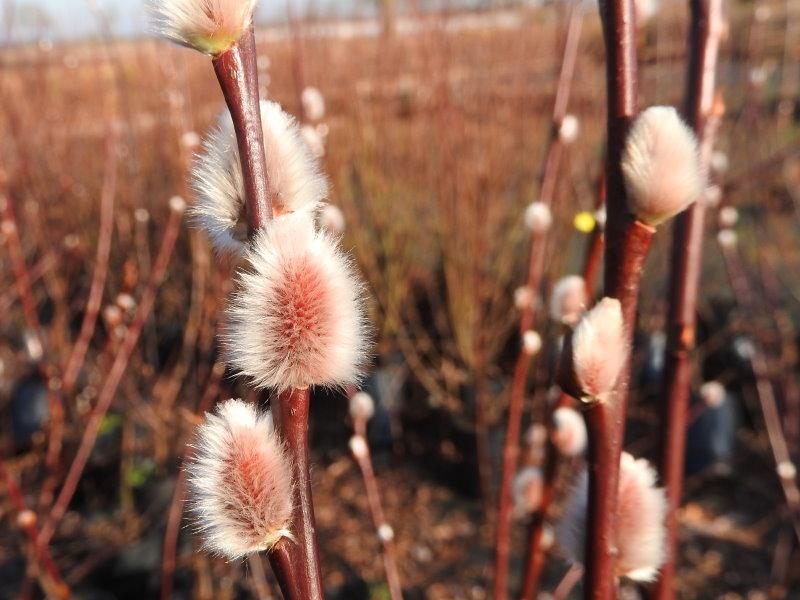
[[641, 508], [599, 349], [209, 26], [240, 481], [569, 431], [297, 319]]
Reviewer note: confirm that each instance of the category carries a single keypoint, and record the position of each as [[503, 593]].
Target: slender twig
[[384, 530], [296, 561], [36, 272], [19, 268], [687, 247], [564, 587], [238, 78], [39, 551], [527, 316], [627, 243], [108, 391], [534, 564]]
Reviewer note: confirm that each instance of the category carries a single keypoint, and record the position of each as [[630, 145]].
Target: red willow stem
[[534, 564], [118, 368], [594, 249], [39, 551], [376, 511], [238, 78], [296, 561], [527, 317], [18, 266], [687, 248], [43, 266], [570, 579], [627, 243]]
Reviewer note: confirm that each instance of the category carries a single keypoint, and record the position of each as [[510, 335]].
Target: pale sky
[[74, 18]]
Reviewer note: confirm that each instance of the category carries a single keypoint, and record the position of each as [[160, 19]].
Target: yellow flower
[[584, 222]]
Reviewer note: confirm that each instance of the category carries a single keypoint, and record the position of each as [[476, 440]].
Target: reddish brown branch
[[685, 265], [376, 511], [28, 524], [605, 421], [627, 243], [534, 565], [296, 562], [238, 78], [527, 317], [11, 232]]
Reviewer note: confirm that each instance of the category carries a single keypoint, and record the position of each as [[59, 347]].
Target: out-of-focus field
[[435, 146]]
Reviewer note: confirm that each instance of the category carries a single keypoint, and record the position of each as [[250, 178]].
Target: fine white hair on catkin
[[297, 318], [209, 26], [569, 431], [599, 349], [295, 177], [661, 165], [639, 535], [240, 481], [313, 103], [361, 406], [568, 299], [527, 490]]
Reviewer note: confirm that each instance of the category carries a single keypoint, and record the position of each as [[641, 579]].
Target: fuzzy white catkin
[[786, 470], [362, 406], [531, 342], [727, 238], [239, 482], [538, 217], [208, 26], [524, 298], [639, 536], [712, 196], [569, 129], [661, 165], [313, 103], [536, 435], [331, 218], [712, 393], [646, 10], [297, 318], [294, 174], [728, 217], [568, 299], [526, 491], [358, 446], [569, 431], [599, 349], [719, 161]]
